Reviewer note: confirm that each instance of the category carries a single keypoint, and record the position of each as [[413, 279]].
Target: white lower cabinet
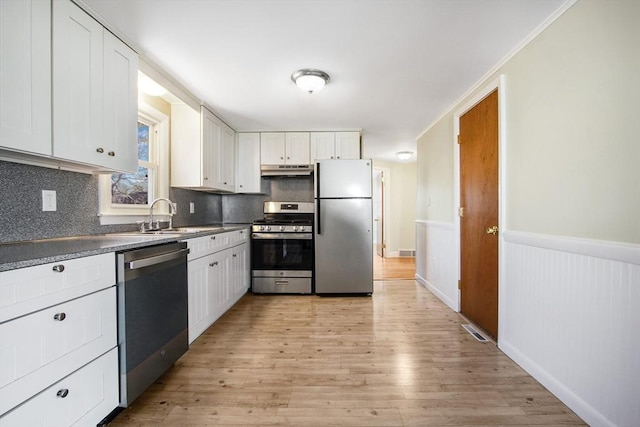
[[83, 398], [218, 277], [58, 343]]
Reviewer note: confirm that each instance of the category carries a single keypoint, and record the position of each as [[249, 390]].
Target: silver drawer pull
[[234, 255], [282, 282], [60, 316], [58, 268], [63, 393], [213, 264], [213, 237]]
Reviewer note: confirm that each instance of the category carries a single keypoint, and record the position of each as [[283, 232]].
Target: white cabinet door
[[322, 146], [78, 67], [347, 145], [41, 348], [272, 148], [82, 399], [226, 158], [248, 163], [95, 106], [120, 105], [200, 300], [240, 271], [220, 264], [25, 76], [210, 145], [297, 148]]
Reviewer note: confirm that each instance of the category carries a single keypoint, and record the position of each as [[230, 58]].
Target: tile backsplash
[[22, 218]]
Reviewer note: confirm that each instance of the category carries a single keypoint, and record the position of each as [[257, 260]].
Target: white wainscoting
[[570, 316], [436, 260]]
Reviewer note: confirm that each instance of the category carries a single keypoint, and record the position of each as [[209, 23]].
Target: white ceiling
[[395, 65]]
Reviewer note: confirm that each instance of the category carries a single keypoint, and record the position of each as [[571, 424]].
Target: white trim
[[110, 215], [453, 305], [615, 251], [535, 33]]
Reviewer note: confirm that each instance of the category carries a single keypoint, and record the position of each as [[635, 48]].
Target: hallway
[[399, 268], [397, 358]]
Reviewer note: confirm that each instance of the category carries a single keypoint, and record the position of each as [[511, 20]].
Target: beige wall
[[572, 130], [400, 185]]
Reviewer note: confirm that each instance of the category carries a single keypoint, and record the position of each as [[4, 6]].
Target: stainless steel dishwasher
[[152, 314]]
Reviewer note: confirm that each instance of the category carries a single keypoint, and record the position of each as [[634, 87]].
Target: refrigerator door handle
[[318, 226]]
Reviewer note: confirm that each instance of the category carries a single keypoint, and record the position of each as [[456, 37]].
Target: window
[[125, 198], [134, 188]]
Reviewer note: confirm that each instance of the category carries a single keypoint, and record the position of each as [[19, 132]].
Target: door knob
[[493, 230]]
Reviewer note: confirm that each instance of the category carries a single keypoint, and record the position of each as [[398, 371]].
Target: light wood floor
[[397, 358], [393, 268]]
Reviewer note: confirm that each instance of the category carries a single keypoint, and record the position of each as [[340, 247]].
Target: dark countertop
[[36, 252]]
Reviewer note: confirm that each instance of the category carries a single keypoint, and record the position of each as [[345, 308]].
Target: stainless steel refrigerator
[[343, 227]]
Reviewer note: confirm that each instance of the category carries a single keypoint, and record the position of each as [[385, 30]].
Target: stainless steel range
[[282, 256]]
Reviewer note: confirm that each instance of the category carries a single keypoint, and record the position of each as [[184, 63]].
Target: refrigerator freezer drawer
[[281, 285]]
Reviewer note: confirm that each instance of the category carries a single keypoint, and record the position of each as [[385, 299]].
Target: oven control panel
[[281, 228]]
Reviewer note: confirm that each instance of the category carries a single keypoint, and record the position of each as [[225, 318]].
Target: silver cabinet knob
[[62, 393], [60, 316], [111, 153], [100, 150], [58, 268]]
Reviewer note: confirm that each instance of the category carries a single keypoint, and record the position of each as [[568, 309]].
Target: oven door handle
[[282, 236], [146, 262]]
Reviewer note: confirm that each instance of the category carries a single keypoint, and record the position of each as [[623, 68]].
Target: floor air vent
[[477, 335], [406, 252]]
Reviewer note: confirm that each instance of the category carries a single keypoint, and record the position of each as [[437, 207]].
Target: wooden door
[[479, 201]]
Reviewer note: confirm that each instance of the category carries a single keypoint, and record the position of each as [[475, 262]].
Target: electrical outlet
[[192, 207], [49, 201]]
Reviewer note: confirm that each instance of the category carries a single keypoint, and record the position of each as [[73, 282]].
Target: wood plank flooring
[[397, 358], [393, 268]]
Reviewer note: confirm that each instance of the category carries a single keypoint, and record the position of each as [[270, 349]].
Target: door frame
[[499, 84], [385, 207]]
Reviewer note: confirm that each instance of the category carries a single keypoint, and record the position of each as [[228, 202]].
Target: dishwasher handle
[[159, 259]]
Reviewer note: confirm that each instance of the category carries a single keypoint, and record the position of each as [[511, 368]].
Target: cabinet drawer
[[26, 290], [201, 246], [238, 237], [41, 348], [91, 394]]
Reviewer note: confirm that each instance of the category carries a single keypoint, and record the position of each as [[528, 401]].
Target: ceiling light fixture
[[404, 155], [309, 79]]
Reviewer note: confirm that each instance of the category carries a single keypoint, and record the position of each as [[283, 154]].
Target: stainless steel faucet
[[172, 211]]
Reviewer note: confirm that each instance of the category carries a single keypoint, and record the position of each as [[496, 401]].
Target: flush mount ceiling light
[[310, 79], [404, 155]]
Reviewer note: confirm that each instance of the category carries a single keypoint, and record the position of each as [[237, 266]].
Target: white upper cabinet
[[202, 150], [248, 163], [94, 92], [285, 148], [347, 145], [25, 76], [335, 145], [297, 148], [272, 148]]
